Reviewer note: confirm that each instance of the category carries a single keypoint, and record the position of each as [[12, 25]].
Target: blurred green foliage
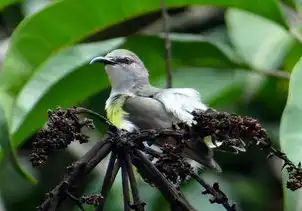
[[226, 61]]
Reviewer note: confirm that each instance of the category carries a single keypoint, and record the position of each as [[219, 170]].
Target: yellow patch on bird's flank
[[115, 112]]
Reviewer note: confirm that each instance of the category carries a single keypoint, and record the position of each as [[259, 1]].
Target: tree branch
[[76, 172], [80, 110], [148, 170], [111, 172], [218, 196], [125, 182], [138, 205]]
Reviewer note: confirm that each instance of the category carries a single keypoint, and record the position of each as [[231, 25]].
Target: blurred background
[[237, 54]]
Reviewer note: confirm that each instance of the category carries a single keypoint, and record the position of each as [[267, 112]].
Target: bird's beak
[[103, 60]]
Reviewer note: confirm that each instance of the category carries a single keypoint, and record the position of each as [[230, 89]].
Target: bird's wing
[[146, 112], [181, 102]]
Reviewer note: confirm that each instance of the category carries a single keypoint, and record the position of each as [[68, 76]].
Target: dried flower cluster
[[62, 128], [295, 177], [94, 199], [172, 164], [294, 181], [236, 132]]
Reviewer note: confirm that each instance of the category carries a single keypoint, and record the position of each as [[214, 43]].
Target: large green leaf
[[264, 45], [259, 41], [64, 80], [39, 37], [5, 3], [298, 4], [291, 131], [5, 142]]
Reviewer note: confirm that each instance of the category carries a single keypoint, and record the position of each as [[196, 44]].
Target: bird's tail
[[198, 151]]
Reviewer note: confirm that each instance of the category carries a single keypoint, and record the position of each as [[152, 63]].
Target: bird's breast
[[114, 110], [117, 115]]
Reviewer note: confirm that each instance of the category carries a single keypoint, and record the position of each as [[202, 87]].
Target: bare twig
[[173, 196], [111, 172], [138, 205], [80, 110], [76, 172], [218, 196], [125, 182], [294, 172], [168, 53], [76, 200]]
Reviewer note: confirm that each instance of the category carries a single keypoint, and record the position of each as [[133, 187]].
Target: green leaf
[[292, 3], [47, 32], [6, 144], [259, 41], [5, 3], [298, 4], [290, 131], [264, 45]]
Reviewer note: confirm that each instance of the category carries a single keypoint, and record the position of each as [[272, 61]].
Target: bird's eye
[[125, 60]]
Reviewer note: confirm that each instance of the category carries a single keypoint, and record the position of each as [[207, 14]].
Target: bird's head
[[124, 68]]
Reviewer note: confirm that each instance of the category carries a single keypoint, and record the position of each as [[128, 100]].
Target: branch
[[80, 110], [125, 182], [76, 171], [168, 56], [138, 205], [148, 170], [218, 196], [76, 200], [294, 172], [111, 172]]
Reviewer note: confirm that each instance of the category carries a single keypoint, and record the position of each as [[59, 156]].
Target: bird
[[134, 103]]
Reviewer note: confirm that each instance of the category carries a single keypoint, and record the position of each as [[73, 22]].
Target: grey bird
[[135, 104]]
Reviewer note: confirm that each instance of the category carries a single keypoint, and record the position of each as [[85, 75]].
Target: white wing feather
[[180, 102]]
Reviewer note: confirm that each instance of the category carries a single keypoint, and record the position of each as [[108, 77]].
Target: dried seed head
[[62, 128]]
